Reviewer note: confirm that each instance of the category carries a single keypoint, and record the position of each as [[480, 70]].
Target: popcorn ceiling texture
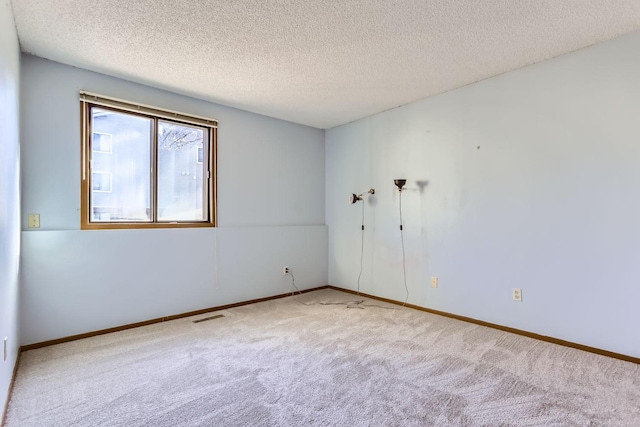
[[319, 63]]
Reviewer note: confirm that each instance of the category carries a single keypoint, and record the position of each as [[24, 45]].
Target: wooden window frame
[[86, 152]]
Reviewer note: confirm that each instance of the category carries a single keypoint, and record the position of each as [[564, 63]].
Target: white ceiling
[[319, 63]]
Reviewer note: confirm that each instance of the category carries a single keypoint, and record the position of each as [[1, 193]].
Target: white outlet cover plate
[[517, 294]]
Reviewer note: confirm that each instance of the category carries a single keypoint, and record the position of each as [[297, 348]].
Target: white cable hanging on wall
[[354, 198], [360, 303], [400, 184]]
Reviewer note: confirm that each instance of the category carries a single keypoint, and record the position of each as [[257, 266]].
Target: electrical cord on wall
[[293, 283], [361, 247], [295, 288], [404, 263]]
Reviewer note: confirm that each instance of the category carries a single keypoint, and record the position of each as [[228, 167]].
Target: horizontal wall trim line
[[539, 337], [157, 320], [11, 383]]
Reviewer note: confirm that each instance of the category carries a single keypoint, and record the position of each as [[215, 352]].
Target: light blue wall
[[9, 196], [270, 214], [270, 172], [533, 182]]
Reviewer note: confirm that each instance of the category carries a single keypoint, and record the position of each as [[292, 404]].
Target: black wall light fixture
[[399, 183], [354, 198]]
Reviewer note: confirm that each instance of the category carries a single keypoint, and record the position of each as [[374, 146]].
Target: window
[[143, 167]]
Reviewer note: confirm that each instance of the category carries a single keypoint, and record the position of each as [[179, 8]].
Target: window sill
[[142, 225]]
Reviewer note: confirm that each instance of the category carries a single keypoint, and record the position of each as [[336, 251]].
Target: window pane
[[181, 169], [101, 142], [120, 166], [101, 182]]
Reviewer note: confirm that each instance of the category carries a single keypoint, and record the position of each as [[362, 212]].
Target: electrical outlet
[[434, 282], [5, 348], [517, 294], [285, 270], [34, 220]]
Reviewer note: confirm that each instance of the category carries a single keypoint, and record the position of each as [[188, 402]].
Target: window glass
[[180, 175], [121, 176]]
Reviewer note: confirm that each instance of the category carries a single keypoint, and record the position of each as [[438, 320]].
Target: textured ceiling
[[319, 63]]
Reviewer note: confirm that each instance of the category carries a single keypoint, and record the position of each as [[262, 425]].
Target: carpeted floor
[[283, 363]]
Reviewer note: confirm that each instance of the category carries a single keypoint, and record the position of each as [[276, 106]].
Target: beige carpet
[[282, 363]]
